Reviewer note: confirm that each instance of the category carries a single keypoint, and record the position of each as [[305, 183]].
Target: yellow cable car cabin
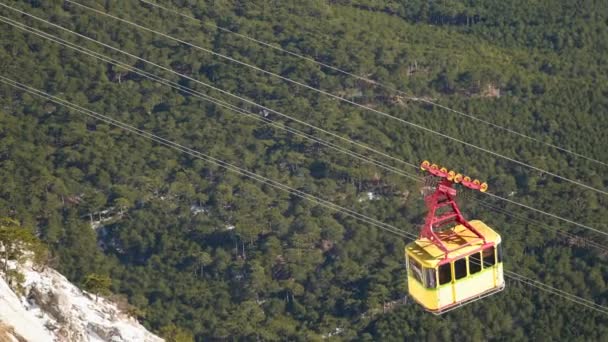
[[468, 273], [454, 261]]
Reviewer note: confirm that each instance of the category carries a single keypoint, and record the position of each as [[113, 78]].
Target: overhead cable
[[573, 239], [409, 123], [372, 82], [546, 213], [351, 141], [231, 167], [206, 157], [377, 163], [208, 98]]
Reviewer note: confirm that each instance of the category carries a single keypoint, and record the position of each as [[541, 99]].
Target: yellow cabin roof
[[429, 254]]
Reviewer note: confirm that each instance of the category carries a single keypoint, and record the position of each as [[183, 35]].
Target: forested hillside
[[207, 254]]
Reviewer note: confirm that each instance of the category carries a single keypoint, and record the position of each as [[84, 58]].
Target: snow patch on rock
[[53, 309], [22, 322]]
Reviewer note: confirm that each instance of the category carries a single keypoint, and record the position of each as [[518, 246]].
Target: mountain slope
[[53, 309]]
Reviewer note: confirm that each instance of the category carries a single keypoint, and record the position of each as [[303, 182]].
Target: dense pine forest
[[202, 253]]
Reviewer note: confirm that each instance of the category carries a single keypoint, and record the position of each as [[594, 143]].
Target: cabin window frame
[[411, 271], [499, 254], [439, 271], [479, 264], [450, 279], [459, 276], [428, 283], [487, 265]]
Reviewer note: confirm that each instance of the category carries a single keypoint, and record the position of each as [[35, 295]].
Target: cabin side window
[[430, 278], [499, 252], [460, 268], [415, 270], [445, 274], [474, 263], [489, 258]]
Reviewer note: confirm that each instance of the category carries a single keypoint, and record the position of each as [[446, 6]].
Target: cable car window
[[460, 268], [488, 257], [430, 280], [416, 270], [445, 274], [474, 263], [499, 252]]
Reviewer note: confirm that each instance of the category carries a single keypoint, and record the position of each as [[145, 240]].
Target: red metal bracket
[[444, 196]]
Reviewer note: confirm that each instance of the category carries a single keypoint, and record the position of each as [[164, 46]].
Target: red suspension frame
[[444, 196]]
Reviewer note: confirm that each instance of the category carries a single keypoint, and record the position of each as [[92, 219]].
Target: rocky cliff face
[[50, 308]]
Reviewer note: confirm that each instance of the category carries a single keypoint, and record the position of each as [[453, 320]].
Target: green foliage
[[98, 284], [172, 333], [210, 255], [19, 244]]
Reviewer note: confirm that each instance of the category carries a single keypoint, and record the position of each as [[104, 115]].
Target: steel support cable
[[460, 141], [566, 295], [168, 143], [548, 288], [279, 113], [585, 241], [208, 158], [546, 213], [361, 145], [370, 81], [595, 307], [205, 97], [284, 115]]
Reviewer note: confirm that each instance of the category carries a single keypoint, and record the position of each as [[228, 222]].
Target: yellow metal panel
[[500, 277], [474, 285], [426, 297], [452, 283], [445, 295]]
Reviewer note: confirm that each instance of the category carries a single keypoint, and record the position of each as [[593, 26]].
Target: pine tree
[[98, 284]]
